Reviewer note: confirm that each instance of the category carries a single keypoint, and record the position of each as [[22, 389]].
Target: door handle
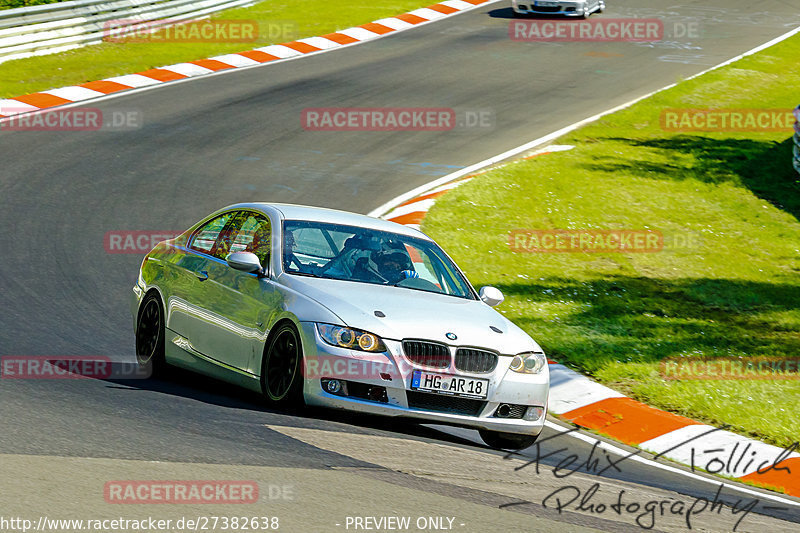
[[202, 275]]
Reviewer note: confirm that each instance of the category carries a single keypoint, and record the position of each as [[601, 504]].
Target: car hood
[[414, 314]]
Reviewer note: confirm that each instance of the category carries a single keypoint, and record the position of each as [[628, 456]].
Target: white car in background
[[569, 8]]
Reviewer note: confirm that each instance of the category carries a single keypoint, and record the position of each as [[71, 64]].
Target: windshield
[[365, 255]]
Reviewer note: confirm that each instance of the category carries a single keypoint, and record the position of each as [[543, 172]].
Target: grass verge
[[278, 22], [734, 292], [10, 4]]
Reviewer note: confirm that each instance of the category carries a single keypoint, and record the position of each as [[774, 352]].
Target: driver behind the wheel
[[394, 265]]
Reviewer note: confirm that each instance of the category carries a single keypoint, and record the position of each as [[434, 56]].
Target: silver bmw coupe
[[320, 307]]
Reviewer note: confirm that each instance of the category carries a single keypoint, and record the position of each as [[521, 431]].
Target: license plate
[[447, 384], [546, 4]]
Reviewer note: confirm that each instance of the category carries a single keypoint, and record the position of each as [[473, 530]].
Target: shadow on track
[[187, 384]]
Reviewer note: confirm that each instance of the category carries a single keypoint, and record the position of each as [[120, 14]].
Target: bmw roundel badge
[[451, 336]]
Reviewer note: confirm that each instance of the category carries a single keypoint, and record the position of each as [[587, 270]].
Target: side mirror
[[491, 296], [246, 262]]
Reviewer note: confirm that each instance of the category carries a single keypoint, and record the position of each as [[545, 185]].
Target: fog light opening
[[503, 411]]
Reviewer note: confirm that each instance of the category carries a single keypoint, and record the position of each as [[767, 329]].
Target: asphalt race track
[[227, 138]]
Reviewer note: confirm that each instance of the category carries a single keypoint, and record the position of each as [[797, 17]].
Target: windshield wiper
[[301, 273]]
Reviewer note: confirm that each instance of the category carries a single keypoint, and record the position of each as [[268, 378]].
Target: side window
[[254, 235], [206, 237]]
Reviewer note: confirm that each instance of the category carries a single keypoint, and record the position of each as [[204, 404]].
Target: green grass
[[95, 62], [735, 292], [9, 4]]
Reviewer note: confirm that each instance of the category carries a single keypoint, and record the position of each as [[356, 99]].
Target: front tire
[[506, 441], [150, 336], [281, 379]]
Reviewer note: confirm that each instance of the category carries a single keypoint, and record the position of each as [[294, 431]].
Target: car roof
[[332, 216]]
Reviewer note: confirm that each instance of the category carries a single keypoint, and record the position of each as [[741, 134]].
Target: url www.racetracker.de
[[199, 523]]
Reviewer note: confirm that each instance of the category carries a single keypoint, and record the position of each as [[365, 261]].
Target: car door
[[237, 305], [190, 268]]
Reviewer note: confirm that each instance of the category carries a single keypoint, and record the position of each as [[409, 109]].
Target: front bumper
[[380, 384], [565, 8]]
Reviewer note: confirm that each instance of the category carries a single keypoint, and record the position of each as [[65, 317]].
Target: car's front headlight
[[528, 363], [354, 339]]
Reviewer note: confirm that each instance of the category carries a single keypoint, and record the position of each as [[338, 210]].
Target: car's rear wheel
[[150, 335], [507, 441], [281, 379]]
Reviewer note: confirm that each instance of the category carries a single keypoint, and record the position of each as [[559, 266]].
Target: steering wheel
[[365, 265]]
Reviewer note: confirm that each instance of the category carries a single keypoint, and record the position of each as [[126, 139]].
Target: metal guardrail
[[796, 137], [50, 28]]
